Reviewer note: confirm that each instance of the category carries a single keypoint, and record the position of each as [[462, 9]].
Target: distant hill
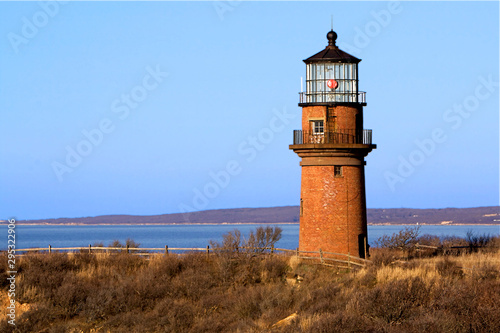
[[290, 214], [478, 215]]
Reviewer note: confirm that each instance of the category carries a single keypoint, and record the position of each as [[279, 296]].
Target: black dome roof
[[332, 53]]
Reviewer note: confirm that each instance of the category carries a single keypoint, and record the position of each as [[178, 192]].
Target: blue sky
[[175, 106]]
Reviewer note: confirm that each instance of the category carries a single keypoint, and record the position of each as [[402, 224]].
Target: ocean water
[[29, 236]]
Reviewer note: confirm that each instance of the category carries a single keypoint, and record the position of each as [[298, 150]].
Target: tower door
[[362, 246], [359, 128], [331, 124]]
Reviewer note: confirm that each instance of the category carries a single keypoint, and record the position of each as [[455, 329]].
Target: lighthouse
[[332, 145]]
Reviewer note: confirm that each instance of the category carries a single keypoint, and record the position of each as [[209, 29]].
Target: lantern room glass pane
[[318, 75], [319, 71], [337, 71], [329, 72]]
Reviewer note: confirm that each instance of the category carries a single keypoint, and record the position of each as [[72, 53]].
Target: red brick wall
[[345, 116], [312, 112], [334, 210]]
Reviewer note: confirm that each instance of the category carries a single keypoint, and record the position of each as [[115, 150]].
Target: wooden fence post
[[321, 256], [166, 250], [349, 260], [50, 249], [128, 249], [365, 240], [272, 249], [90, 248], [208, 251], [297, 252]]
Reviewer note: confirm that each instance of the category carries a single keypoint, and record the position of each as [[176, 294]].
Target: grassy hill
[[290, 214]]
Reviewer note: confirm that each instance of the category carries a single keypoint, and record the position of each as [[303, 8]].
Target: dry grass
[[478, 260], [429, 269], [391, 273], [190, 293]]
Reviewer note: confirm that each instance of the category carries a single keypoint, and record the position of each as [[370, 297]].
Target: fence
[[325, 258], [127, 249], [346, 136], [449, 249], [332, 97]]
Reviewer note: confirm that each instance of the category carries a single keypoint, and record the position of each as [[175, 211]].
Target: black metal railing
[[333, 97], [349, 136]]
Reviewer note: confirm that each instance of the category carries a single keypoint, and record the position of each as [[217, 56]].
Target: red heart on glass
[[332, 84]]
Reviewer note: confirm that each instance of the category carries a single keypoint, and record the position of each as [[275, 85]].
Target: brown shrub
[[383, 256], [38, 319], [278, 300], [447, 267], [431, 321], [473, 307], [274, 268], [403, 240], [393, 302], [214, 323], [429, 240], [104, 302], [327, 298], [3, 270], [247, 272], [72, 295], [175, 315], [122, 263], [368, 278], [44, 272], [340, 322], [448, 241], [485, 271], [192, 284], [192, 293], [169, 266]]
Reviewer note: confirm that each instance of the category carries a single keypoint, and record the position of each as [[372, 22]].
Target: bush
[[403, 240], [120, 292], [232, 243], [45, 273], [447, 267], [395, 301], [274, 269], [383, 256], [477, 241]]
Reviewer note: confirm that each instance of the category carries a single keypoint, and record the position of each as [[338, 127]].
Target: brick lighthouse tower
[[332, 145]]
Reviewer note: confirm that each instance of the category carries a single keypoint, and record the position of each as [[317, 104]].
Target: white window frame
[[316, 125]]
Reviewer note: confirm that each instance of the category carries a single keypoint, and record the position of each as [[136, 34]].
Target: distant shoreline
[[284, 215], [243, 223]]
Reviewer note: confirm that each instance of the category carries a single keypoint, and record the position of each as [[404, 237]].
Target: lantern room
[[331, 76]]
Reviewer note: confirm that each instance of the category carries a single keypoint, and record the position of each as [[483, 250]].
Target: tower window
[[318, 127], [337, 171]]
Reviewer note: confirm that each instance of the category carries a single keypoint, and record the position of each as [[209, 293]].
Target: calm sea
[[189, 235]]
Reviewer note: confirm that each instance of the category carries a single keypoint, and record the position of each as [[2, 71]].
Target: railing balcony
[[343, 137], [332, 97]]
